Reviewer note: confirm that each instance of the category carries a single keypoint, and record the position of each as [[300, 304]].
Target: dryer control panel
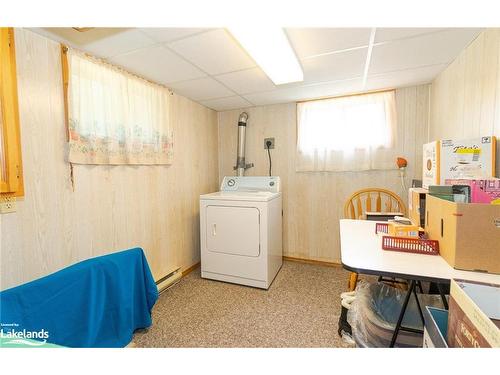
[[251, 183]]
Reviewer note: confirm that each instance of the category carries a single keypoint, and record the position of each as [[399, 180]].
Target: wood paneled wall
[[465, 97], [313, 202], [111, 207]]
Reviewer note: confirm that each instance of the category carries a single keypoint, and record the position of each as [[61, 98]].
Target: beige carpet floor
[[300, 309]]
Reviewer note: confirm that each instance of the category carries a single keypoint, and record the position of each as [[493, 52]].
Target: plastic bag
[[375, 311], [344, 330]]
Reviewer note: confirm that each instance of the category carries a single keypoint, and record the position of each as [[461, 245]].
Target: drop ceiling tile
[[393, 33], [201, 89], [344, 87], [292, 94], [224, 104], [100, 41], [314, 41], [404, 78], [432, 49], [168, 34], [247, 81], [119, 43], [333, 67], [215, 52], [158, 64]]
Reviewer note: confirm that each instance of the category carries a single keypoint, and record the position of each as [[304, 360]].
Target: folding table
[[361, 252]]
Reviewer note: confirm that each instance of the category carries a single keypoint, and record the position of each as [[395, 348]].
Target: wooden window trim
[[65, 78], [13, 185]]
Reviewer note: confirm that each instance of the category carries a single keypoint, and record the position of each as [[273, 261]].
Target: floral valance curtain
[[349, 133], [115, 117]]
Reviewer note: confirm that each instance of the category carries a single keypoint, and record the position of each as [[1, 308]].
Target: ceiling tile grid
[[119, 43], [334, 66], [201, 89], [224, 104], [428, 49], [406, 77], [164, 35], [395, 33], [210, 67], [298, 93], [247, 81], [309, 42], [158, 64]]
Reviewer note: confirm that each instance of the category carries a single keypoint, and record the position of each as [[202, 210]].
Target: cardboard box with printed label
[[453, 159], [474, 315], [403, 230], [468, 233]]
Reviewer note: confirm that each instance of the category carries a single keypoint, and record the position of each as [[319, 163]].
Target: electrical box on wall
[[7, 205], [268, 140]]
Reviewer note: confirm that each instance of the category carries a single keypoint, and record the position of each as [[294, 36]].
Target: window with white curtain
[[115, 117], [348, 133]]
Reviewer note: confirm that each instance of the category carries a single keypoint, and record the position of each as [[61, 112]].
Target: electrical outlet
[[7, 205], [265, 143]]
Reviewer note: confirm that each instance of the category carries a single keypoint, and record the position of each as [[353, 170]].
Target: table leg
[[418, 305], [402, 313], [419, 284], [443, 296]]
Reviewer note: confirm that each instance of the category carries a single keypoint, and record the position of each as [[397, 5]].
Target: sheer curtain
[[115, 117], [349, 133]]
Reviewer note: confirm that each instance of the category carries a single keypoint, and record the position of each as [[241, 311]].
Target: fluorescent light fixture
[[271, 50]]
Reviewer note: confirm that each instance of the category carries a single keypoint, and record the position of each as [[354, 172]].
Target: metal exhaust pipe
[[240, 159]]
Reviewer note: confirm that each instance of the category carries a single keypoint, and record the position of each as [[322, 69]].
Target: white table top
[[361, 251]]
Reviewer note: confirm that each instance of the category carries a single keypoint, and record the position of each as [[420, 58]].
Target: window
[[11, 179], [113, 116], [347, 133]]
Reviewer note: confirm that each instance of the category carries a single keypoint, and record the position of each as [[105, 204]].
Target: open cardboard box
[[468, 233], [474, 315], [435, 328]]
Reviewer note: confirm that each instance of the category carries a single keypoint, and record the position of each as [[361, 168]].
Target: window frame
[[14, 184]]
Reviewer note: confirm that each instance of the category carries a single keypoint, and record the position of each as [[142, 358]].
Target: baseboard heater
[[168, 280]]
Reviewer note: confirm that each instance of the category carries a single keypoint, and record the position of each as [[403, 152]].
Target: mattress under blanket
[[98, 302]]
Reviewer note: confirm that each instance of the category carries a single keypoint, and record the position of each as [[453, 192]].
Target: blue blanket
[[95, 303]]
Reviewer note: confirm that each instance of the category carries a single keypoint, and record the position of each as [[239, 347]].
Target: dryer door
[[233, 230]]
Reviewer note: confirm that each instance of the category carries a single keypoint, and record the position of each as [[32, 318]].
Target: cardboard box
[[452, 159], [482, 191], [402, 230], [431, 164], [435, 328], [474, 315], [468, 233], [416, 205]]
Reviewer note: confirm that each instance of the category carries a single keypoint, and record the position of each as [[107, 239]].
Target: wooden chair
[[370, 200]]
